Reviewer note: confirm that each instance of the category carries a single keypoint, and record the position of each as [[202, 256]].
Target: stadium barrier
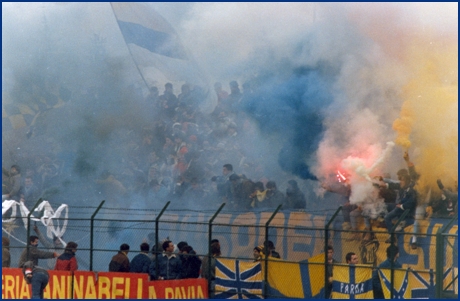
[[297, 235]]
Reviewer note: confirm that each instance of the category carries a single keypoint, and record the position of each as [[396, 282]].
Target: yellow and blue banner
[[237, 279], [401, 286], [410, 284], [297, 280], [352, 282]]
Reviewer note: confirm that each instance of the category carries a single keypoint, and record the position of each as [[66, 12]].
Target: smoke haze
[[333, 81]]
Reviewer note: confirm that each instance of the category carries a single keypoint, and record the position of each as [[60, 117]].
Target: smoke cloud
[[330, 82]]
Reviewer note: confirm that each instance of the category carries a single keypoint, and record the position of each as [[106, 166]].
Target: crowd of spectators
[[177, 158]]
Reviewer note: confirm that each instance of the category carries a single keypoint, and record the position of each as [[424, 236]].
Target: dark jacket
[[377, 286], [407, 197], [273, 199], [140, 263], [295, 199], [169, 268], [191, 265], [66, 262], [119, 263], [6, 257]]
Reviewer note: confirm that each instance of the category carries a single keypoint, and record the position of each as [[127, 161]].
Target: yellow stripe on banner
[[230, 264], [316, 272], [285, 277], [455, 276]]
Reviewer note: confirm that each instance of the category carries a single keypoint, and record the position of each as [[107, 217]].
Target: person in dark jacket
[[141, 262], [295, 199], [408, 201], [271, 249], [37, 276], [392, 256], [329, 270], [120, 262], [67, 261], [169, 264], [191, 263]]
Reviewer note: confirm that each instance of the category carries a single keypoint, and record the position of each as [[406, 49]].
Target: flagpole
[[129, 49]]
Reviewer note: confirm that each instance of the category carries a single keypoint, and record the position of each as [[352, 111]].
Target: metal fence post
[[209, 245], [392, 241], [326, 242], [266, 250], [440, 253], [28, 226], [157, 232], [91, 242]]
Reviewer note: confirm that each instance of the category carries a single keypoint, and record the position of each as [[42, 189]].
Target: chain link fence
[[296, 236]]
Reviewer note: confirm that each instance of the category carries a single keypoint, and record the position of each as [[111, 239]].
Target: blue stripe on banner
[[305, 280], [152, 40], [352, 278]]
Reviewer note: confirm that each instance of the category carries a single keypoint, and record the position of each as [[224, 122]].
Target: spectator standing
[[37, 276], [169, 264], [55, 246], [6, 257], [257, 253], [271, 250], [241, 190], [351, 258], [67, 261], [274, 197], [120, 262], [329, 270], [390, 262], [209, 272], [295, 199], [191, 263], [29, 193], [34, 253], [223, 182], [13, 182], [141, 262]]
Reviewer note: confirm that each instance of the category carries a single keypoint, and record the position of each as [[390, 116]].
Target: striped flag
[[153, 42], [237, 279]]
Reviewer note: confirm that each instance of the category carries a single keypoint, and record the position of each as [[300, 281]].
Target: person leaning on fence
[[37, 276], [169, 264], [141, 262], [120, 262], [392, 256], [67, 261], [34, 253]]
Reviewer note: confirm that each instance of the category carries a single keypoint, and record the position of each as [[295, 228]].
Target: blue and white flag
[[153, 42]]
